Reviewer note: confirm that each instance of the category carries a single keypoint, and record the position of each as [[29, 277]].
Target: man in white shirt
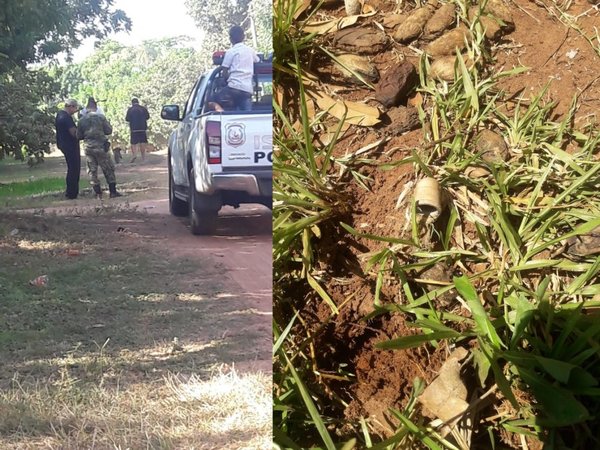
[[238, 69], [91, 103]]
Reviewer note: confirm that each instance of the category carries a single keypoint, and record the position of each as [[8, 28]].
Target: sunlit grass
[[34, 187], [223, 409]]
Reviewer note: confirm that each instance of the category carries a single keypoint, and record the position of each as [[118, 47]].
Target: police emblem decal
[[235, 134]]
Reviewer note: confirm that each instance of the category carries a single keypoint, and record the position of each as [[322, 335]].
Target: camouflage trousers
[[97, 157]]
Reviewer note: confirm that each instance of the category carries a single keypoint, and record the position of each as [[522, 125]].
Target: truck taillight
[[213, 140], [217, 58]]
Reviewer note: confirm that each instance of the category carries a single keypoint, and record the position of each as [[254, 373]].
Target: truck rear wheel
[[202, 210], [177, 206]]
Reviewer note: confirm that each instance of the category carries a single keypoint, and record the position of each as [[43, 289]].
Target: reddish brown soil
[[384, 378]]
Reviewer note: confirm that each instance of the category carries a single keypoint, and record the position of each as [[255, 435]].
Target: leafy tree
[[216, 17], [34, 31], [158, 72], [26, 113]]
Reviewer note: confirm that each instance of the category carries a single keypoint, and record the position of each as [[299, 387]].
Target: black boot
[[112, 187], [98, 191]]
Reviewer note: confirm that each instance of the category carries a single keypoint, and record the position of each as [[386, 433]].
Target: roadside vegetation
[[518, 235]]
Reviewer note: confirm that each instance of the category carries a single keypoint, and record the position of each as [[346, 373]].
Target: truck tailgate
[[247, 140]]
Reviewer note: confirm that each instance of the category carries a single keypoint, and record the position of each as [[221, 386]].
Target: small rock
[[447, 43], [445, 398], [413, 26], [491, 146], [396, 84], [360, 41], [352, 7], [476, 172], [585, 244], [347, 63], [14, 232], [442, 19], [439, 272]]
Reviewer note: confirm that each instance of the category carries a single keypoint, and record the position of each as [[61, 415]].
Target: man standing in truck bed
[[138, 116], [238, 70]]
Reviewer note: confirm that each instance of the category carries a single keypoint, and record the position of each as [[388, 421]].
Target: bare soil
[[555, 54]]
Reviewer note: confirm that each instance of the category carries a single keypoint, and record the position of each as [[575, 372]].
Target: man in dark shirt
[[138, 116], [68, 144]]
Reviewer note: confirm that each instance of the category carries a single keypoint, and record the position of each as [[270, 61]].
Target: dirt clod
[[360, 41], [396, 84], [402, 119]]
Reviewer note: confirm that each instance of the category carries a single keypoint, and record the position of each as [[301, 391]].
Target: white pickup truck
[[220, 158]]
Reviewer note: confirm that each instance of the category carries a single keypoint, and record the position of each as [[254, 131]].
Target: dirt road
[[240, 254], [239, 251], [242, 242]]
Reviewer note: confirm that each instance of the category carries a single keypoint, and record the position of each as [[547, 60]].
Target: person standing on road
[[93, 128], [68, 144], [138, 116], [238, 70]]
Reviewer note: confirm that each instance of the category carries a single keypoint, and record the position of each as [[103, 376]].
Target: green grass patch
[[40, 186]]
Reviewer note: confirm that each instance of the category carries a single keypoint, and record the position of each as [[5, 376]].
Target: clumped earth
[[521, 33]]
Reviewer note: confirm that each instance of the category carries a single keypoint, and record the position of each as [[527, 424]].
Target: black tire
[[177, 206], [203, 210]]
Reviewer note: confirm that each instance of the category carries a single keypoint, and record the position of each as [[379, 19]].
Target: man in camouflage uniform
[[93, 128]]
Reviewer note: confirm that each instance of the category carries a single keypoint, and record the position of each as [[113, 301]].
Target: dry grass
[[227, 410]]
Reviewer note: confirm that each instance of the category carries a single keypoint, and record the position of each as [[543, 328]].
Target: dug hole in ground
[[120, 329]]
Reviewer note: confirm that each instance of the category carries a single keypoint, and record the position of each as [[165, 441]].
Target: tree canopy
[[36, 32], [33, 31], [157, 72], [216, 17]]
